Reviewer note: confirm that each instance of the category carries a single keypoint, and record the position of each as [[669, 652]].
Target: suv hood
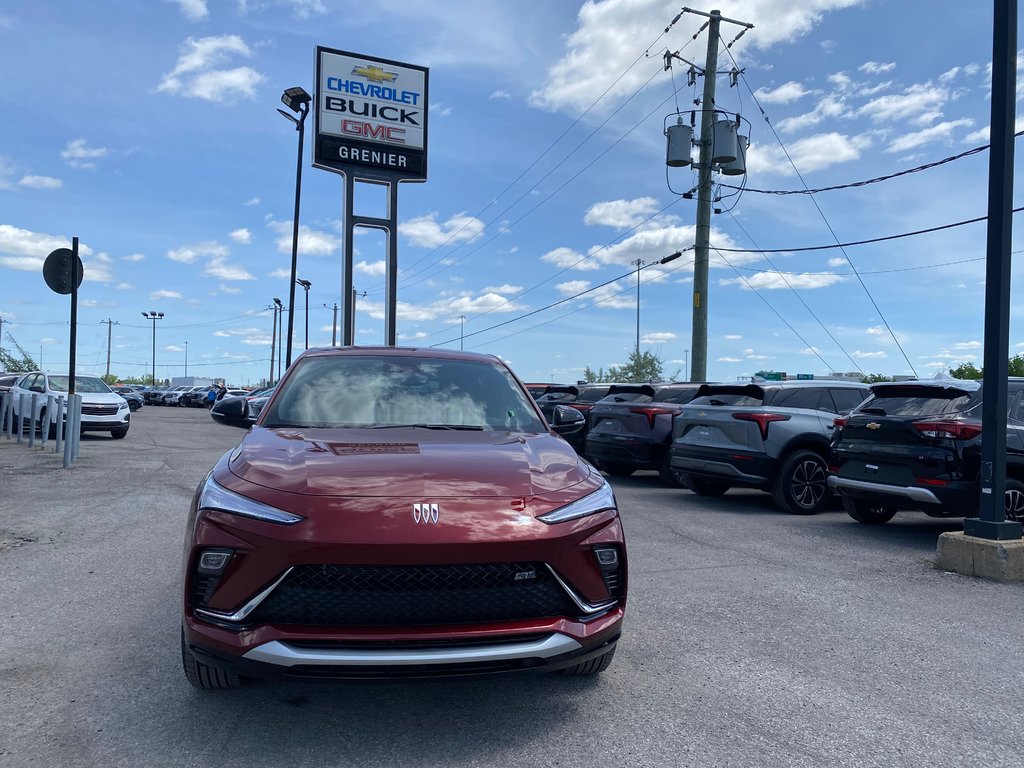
[[406, 462]]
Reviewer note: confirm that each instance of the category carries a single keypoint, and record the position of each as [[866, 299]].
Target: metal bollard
[[69, 432], [44, 427], [21, 416], [60, 424], [4, 415], [78, 427], [32, 420]]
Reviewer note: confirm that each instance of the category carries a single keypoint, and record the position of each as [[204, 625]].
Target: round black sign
[[57, 271]]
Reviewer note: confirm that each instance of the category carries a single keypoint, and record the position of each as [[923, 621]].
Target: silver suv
[[773, 436]]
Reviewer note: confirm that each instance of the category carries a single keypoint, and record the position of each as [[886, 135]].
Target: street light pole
[[154, 316], [334, 324], [638, 263], [297, 100], [306, 285], [462, 329], [278, 311], [186, 359]]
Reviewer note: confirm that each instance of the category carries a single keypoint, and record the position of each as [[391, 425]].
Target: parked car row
[[185, 396], [103, 410]]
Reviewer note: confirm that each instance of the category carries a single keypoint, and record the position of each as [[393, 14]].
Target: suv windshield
[[82, 384], [394, 391]]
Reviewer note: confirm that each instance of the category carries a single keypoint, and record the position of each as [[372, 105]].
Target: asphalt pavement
[[753, 638]]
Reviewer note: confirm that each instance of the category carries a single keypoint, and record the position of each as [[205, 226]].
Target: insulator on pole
[[680, 144], [724, 145], [738, 166]]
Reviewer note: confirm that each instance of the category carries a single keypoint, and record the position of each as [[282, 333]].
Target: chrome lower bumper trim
[[284, 655], [246, 609], [920, 495]]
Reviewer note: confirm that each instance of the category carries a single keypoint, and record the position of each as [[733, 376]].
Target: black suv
[[581, 397], [917, 446], [773, 436], [631, 428]]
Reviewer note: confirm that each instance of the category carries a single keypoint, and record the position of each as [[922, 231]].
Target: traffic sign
[[805, 377]]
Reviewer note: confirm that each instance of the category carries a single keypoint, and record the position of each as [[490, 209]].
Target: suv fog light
[[607, 558], [212, 562]]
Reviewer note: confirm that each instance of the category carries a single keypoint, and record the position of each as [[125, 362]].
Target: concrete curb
[[984, 558]]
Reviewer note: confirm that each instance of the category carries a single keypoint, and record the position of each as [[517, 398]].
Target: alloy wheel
[[1013, 504], [809, 484]]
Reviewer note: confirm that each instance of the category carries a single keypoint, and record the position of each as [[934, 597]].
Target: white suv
[[102, 408]]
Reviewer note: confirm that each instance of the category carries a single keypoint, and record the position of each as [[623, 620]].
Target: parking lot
[[753, 638]]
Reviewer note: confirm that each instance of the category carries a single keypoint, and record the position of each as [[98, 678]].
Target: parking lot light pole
[[306, 285], [278, 310], [186, 359], [297, 100], [154, 316]]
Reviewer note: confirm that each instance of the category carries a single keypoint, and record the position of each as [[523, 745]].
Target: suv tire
[[867, 513], [704, 487], [594, 666], [203, 676], [802, 485], [669, 476], [1014, 496], [119, 433], [617, 470]]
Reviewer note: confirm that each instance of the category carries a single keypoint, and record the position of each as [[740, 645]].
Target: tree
[[642, 366], [110, 378], [874, 378], [966, 371], [20, 363]]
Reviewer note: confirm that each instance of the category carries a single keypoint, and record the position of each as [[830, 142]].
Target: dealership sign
[[371, 116]]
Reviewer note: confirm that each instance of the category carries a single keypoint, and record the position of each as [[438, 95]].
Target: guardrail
[[20, 418]]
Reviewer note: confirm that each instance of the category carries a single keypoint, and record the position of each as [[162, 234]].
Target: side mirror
[[36, 388], [566, 420], [233, 411]]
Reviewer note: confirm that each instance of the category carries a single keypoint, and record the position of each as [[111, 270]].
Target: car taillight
[[948, 428], [840, 421], [581, 407], [651, 411], [762, 420]]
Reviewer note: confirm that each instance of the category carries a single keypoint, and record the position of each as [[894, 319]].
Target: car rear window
[[627, 397], [677, 395], [919, 402], [592, 394]]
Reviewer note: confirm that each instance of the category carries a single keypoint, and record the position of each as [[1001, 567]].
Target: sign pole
[[74, 315], [391, 324], [348, 333]]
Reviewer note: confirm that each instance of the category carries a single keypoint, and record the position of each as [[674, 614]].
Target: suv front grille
[[416, 595], [99, 410]]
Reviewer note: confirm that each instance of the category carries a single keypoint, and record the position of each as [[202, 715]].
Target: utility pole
[[638, 263], [462, 330], [110, 324], [186, 359], [273, 339], [705, 185]]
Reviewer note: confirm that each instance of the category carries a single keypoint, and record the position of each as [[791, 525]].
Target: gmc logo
[[370, 131]]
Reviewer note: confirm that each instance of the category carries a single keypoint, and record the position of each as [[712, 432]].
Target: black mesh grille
[[202, 588], [379, 595], [99, 410], [613, 580]]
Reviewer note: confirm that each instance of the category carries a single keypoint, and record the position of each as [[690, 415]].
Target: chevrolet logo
[[375, 74], [425, 514], [873, 425]]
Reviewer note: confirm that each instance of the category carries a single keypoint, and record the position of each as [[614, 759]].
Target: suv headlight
[[600, 500], [217, 497]]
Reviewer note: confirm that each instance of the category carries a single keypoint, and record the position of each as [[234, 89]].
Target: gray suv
[[773, 436]]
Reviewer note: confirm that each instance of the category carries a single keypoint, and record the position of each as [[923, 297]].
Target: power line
[[861, 242], [866, 182], [824, 218]]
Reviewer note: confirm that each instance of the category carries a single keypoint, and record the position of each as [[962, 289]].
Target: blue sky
[[150, 131]]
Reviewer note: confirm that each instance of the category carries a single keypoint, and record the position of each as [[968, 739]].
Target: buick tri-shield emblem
[[425, 513]]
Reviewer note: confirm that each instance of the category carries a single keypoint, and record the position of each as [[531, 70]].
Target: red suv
[[401, 512]]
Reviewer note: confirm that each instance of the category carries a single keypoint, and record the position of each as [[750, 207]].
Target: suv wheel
[[1014, 500], [119, 433], [203, 676], [868, 513], [704, 487], [617, 470], [802, 485], [669, 476]]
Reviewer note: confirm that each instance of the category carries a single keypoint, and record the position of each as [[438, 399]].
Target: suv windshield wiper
[[471, 427]]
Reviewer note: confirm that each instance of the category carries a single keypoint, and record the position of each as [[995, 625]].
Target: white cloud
[[503, 289], [229, 289], [424, 231], [251, 202], [967, 345], [875, 68], [163, 293], [812, 153], [783, 94], [134, 257], [916, 139], [830, 106], [282, 273], [810, 351], [604, 42], [193, 10], [189, 253], [572, 287], [918, 102], [730, 359], [196, 76], [658, 337], [220, 269], [125, 287], [447, 309], [837, 261], [775, 281], [500, 95], [78, 154], [173, 348], [732, 337], [875, 330], [312, 242], [305, 9], [567, 257], [621, 214], [982, 134], [40, 182], [869, 355], [935, 364], [242, 235], [372, 268], [26, 250]]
